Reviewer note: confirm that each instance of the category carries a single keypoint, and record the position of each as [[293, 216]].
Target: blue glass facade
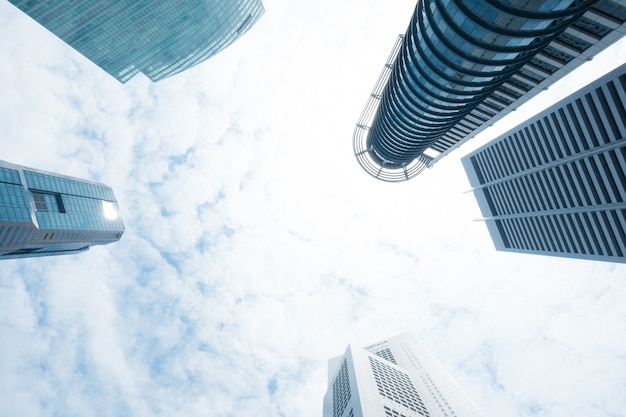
[[46, 214], [159, 39], [463, 62]]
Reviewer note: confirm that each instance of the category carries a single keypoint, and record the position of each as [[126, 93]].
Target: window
[[341, 390], [109, 210], [40, 202], [48, 202]]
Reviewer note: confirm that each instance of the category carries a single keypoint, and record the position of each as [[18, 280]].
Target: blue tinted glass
[[159, 39], [52, 214]]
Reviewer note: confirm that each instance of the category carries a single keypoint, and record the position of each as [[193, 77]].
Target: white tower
[[397, 377]]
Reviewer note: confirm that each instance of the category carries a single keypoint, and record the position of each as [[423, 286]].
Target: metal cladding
[[556, 184], [454, 55]]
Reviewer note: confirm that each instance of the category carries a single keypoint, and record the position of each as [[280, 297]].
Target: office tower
[[397, 377], [44, 214], [464, 64], [556, 184], [157, 38]]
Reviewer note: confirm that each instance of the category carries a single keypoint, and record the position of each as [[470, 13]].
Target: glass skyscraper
[[463, 64], [45, 214], [397, 377], [556, 184], [157, 38]]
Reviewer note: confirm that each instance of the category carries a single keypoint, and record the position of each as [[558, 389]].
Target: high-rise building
[[556, 184], [45, 214], [464, 64], [157, 38], [397, 377]]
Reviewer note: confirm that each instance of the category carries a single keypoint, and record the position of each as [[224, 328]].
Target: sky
[[256, 248]]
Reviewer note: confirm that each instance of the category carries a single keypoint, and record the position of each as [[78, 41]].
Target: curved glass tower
[[460, 63], [159, 39]]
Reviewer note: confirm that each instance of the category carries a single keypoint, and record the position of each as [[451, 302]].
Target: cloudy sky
[[256, 248]]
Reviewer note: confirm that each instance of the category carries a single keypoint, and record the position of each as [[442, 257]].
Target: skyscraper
[[556, 184], [397, 377], [464, 64], [157, 38], [45, 214]]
